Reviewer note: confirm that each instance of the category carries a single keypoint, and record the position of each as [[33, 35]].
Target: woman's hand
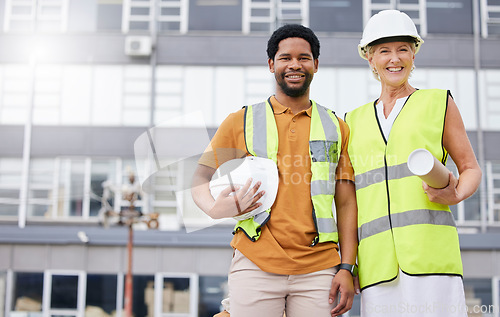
[[448, 195]]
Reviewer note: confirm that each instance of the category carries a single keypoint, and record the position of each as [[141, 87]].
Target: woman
[[409, 254]]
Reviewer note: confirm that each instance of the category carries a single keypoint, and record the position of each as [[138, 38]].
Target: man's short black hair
[[292, 30]]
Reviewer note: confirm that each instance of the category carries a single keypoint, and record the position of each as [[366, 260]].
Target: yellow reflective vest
[[261, 138], [398, 227]]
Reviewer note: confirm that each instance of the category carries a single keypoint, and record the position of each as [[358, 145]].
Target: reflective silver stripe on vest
[[378, 175], [260, 129], [322, 187], [328, 126], [261, 218], [326, 225], [407, 218]]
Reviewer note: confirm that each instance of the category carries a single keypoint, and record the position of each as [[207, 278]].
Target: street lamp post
[[128, 278], [127, 217]]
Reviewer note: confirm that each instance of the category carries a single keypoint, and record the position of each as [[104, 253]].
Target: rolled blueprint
[[423, 164]]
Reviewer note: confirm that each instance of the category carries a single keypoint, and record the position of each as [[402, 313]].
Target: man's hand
[[235, 201], [343, 287], [232, 201]]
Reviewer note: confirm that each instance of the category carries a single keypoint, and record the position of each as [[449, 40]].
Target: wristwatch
[[352, 268]]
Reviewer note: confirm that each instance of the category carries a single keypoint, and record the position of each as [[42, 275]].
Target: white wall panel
[[464, 93], [353, 88], [323, 88], [66, 257], [259, 84], [229, 91], [76, 95], [107, 95], [5, 257], [199, 92], [211, 261], [103, 259], [30, 258]]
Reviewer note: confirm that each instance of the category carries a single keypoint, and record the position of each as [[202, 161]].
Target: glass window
[[478, 297], [41, 187], [3, 281], [472, 207], [493, 190], [490, 93], [10, 182], [103, 170], [101, 294], [172, 15], [130, 184], [336, 16], [179, 294], [27, 292], [169, 92], [71, 182], [209, 15], [178, 290], [258, 16], [36, 15], [411, 7], [449, 16], [166, 181], [16, 80], [64, 292], [137, 95], [496, 295], [142, 295], [83, 16], [136, 15], [469, 209], [47, 98], [213, 289], [490, 13]]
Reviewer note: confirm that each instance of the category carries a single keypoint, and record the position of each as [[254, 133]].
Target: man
[[286, 259]]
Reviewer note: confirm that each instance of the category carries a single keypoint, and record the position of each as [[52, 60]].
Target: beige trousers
[[255, 293]]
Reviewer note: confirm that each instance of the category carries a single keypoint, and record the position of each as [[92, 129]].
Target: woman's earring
[[413, 67], [374, 70]]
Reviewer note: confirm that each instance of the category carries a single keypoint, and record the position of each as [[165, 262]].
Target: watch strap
[[349, 267]]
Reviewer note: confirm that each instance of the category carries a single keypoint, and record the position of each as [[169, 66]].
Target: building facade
[[93, 91]]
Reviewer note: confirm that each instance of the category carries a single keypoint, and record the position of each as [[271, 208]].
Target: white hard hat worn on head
[[388, 24], [236, 172]]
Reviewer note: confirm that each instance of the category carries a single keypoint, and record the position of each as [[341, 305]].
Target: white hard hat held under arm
[[388, 24], [236, 172]]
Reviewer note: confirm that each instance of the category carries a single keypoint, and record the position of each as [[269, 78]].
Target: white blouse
[[386, 123]]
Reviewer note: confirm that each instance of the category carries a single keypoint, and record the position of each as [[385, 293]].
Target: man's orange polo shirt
[[284, 244]]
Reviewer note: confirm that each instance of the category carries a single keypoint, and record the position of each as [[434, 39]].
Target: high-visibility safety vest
[[398, 227], [261, 138]]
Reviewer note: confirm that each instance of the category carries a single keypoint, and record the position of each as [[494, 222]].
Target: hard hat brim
[[363, 49]]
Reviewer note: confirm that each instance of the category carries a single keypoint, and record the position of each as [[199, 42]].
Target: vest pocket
[[324, 151]]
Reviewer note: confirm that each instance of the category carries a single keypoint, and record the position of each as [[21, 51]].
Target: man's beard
[[294, 92]]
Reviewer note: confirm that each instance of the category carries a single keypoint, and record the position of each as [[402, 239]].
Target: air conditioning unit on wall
[[138, 45]]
